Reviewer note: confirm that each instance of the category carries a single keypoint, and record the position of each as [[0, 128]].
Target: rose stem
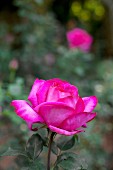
[[49, 150]]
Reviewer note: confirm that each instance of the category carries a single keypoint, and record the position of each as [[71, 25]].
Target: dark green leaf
[[65, 156], [54, 148], [22, 161], [56, 168], [76, 138], [66, 142], [68, 164], [34, 146], [36, 165], [70, 161], [42, 132], [14, 152]]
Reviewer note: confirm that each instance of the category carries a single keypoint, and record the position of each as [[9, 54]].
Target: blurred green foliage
[[37, 41], [104, 87], [37, 36], [5, 49]]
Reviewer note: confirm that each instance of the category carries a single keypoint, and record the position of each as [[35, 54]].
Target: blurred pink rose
[[14, 64], [79, 38], [57, 104]]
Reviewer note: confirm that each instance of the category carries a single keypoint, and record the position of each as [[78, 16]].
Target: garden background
[[33, 44]]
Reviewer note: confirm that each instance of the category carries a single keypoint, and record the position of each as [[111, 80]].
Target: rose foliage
[[56, 104]]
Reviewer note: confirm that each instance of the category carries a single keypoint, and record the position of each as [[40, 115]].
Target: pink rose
[[14, 64], [79, 38], [57, 104]]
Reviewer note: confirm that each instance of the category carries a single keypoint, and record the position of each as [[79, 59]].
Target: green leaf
[[36, 165], [22, 161], [66, 142], [70, 161], [76, 138], [54, 148], [14, 152], [56, 168], [43, 133], [34, 146], [67, 164]]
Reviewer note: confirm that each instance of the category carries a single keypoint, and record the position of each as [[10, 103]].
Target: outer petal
[[77, 120], [90, 103], [79, 105], [24, 110], [54, 113], [43, 92], [35, 88], [64, 132]]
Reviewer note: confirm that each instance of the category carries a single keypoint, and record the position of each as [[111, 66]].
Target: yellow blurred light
[[85, 15], [88, 5], [99, 11], [91, 4], [91, 8], [76, 8]]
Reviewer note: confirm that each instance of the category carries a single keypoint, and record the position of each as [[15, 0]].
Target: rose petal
[[84, 126], [60, 90], [55, 89], [54, 113], [67, 90], [64, 132], [43, 92], [48, 91], [90, 103], [68, 101], [30, 126], [24, 110], [80, 105], [77, 120], [53, 94], [73, 90], [79, 38], [35, 88]]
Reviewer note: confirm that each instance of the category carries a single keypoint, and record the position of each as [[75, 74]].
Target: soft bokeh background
[[33, 44]]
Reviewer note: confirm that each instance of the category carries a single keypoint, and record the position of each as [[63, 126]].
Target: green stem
[[49, 150], [12, 76]]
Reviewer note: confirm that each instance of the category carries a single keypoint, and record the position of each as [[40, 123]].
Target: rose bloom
[[56, 104], [14, 64], [79, 38]]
